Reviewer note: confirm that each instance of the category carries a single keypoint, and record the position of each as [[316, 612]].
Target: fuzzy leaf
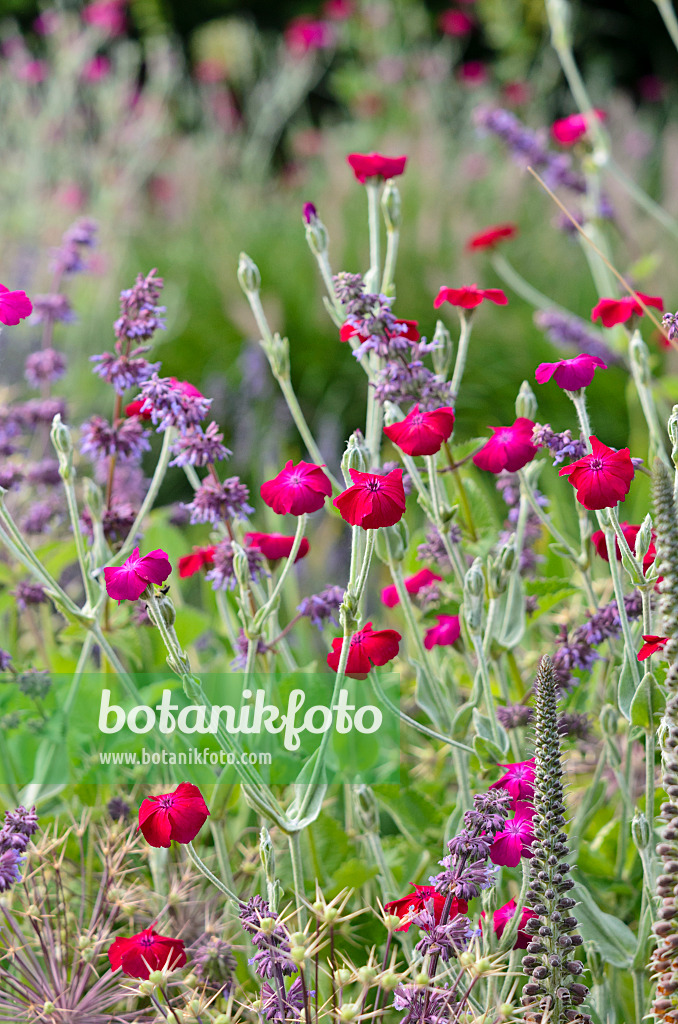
[[613, 939], [648, 701], [626, 689]]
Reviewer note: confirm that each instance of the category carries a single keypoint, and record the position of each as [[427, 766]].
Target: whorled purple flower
[[222, 574], [508, 484], [5, 660], [578, 651], [270, 938], [67, 259], [242, 645], [10, 861], [39, 410], [198, 447], [561, 445], [515, 716], [292, 1002], [116, 521], [39, 517], [21, 822], [321, 608], [44, 367], [424, 1004], [433, 550], [171, 405], [27, 594], [52, 308], [127, 439], [214, 963], [574, 725], [45, 472], [567, 331], [443, 940], [408, 380], [350, 290], [10, 476], [140, 315], [215, 502], [465, 868], [124, 371], [118, 808]]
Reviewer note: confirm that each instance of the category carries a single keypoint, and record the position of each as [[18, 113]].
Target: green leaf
[[648, 701], [461, 722], [626, 689], [487, 751], [512, 627], [352, 874], [613, 939], [413, 812]]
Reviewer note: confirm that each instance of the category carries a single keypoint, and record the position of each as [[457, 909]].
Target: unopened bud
[[191, 981], [609, 720], [267, 853], [241, 565], [673, 432], [298, 954], [167, 610], [248, 274], [366, 975], [367, 807], [278, 352], [316, 232], [392, 922], [391, 205], [644, 538], [526, 402], [156, 977], [474, 594], [342, 976], [641, 831], [146, 988], [640, 354], [48, 1006], [422, 978], [348, 1012], [355, 456], [443, 351], [389, 981]]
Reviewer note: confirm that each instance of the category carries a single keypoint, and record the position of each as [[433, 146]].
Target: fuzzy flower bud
[[474, 594], [316, 234], [391, 206], [526, 402], [355, 456], [61, 439], [248, 274], [644, 538], [640, 358], [443, 350], [641, 831]]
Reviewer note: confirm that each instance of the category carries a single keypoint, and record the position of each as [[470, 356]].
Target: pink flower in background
[[209, 71], [446, 632], [275, 546], [518, 780], [571, 129], [373, 501], [422, 433], [652, 645], [617, 311], [413, 584], [514, 841], [368, 647], [96, 69], [411, 332], [297, 490], [504, 915], [602, 478], [32, 71], [490, 237], [14, 306], [517, 93], [570, 374], [128, 581], [473, 73], [469, 297], [46, 23], [107, 15], [199, 559], [509, 448], [177, 816], [456, 23], [304, 34], [338, 10], [145, 952], [375, 165]]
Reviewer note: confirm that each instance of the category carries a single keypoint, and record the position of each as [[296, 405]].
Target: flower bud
[[444, 350], [367, 807], [355, 456], [348, 1012], [389, 981], [167, 610], [366, 975], [609, 720], [422, 978], [393, 539], [61, 436], [156, 977], [391, 206], [248, 274], [191, 981], [672, 427], [316, 235], [392, 921], [644, 538], [641, 831], [342, 976], [278, 352], [298, 954], [639, 354], [526, 402], [146, 988], [48, 1006], [267, 854], [241, 566], [474, 596]]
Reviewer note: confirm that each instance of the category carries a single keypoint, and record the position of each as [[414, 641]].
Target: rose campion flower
[[602, 478], [128, 581], [199, 559], [373, 501], [369, 647], [276, 545], [456, 23], [509, 448], [179, 815], [375, 165], [145, 952], [297, 490], [422, 433], [413, 584], [490, 237], [652, 645], [139, 407], [473, 73], [305, 34], [107, 15], [469, 297], [446, 631], [514, 841], [407, 906], [14, 306], [411, 332], [630, 532], [570, 374], [518, 780], [503, 917], [569, 130], [617, 311]]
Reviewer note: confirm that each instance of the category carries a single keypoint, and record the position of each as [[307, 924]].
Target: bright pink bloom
[[652, 645], [407, 906], [413, 584], [145, 952], [446, 631], [128, 581], [179, 815], [305, 34], [571, 129], [32, 71], [422, 433], [509, 448], [570, 374], [374, 165], [96, 69], [514, 841], [338, 10], [469, 297], [139, 407], [297, 490], [602, 478], [517, 93], [504, 915], [368, 647], [199, 559], [276, 545], [373, 501], [411, 333], [488, 238], [617, 311], [108, 15], [456, 23], [518, 780], [473, 73], [630, 531], [14, 306]]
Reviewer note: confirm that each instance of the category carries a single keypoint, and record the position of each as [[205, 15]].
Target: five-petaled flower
[[503, 917], [513, 842], [199, 559], [509, 448], [422, 433], [178, 815], [275, 545], [617, 311], [570, 374], [14, 306], [297, 489], [373, 501], [651, 645], [602, 478], [413, 584], [368, 647], [569, 130], [489, 237], [518, 780], [409, 329], [469, 297], [630, 531], [407, 906], [445, 632], [128, 581], [375, 165], [145, 952]]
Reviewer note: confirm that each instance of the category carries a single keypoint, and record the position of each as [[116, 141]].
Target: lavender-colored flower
[[40, 410], [140, 315], [118, 809], [127, 439], [52, 308], [34, 683], [116, 521], [475, 847], [10, 476], [562, 446], [578, 652], [172, 406], [321, 608], [222, 574], [198, 447], [515, 716], [44, 367], [270, 939], [424, 1004], [574, 725], [22, 821], [390, 465], [670, 325], [403, 380], [350, 289], [215, 502], [26, 594], [45, 472], [124, 371], [213, 962], [67, 259], [9, 869], [242, 645], [378, 328], [5, 660], [465, 869], [567, 331], [433, 549], [292, 1002], [444, 940]]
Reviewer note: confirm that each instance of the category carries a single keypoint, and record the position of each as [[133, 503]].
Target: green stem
[[629, 644], [488, 698], [510, 276], [151, 495], [202, 867], [462, 353], [92, 592], [388, 703], [271, 604], [642, 378], [372, 190], [669, 18], [392, 240], [304, 429], [294, 842]]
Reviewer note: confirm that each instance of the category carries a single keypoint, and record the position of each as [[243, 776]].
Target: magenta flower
[[14, 306], [518, 780], [445, 632], [514, 842], [570, 374], [602, 478], [413, 584], [509, 448], [375, 165], [297, 490], [128, 581], [470, 296], [569, 130], [504, 915]]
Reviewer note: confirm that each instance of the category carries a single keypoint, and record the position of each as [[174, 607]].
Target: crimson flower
[[446, 631], [407, 906], [514, 842], [276, 545], [570, 374], [297, 489], [145, 952], [14, 306], [368, 647], [617, 311], [469, 297], [179, 815], [456, 23], [411, 332], [569, 130], [630, 531], [413, 584], [305, 34], [139, 407], [504, 915], [518, 780], [375, 165], [373, 501], [602, 478], [422, 433], [199, 559], [509, 448], [489, 238], [128, 581], [651, 646]]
